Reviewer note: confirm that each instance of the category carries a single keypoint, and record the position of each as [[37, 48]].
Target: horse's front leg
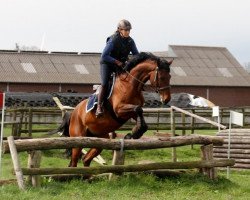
[[141, 126]]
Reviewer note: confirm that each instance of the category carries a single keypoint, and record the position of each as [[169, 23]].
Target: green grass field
[[189, 185]]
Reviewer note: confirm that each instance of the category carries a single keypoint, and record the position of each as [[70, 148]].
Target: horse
[[125, 102]]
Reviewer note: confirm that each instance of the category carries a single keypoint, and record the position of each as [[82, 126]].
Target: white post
[[216, 113], [235, 118], [229, 142], [1, 140]]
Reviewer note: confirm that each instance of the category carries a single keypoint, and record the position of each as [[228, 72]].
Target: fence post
[[16, 162], [118, 156], [34, 161], [244, 116], [174, 159], [183, 120], [158, 120], [192, 122], [118, 159], [20, 124], [30, 122], [207, 154], [14, 125]]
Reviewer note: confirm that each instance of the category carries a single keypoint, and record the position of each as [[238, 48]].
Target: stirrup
[[99, 111]]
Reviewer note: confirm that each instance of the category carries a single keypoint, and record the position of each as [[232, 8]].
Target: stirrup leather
[[99, 110]]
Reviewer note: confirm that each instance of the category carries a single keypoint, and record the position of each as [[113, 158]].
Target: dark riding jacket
[[118, 48]]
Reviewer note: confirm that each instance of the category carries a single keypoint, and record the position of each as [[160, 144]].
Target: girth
[[111, 111]]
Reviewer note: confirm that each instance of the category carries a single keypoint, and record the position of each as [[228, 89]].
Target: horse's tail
[[63, 129]]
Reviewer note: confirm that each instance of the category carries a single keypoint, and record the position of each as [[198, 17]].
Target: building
[[210, 72], [36, 71]]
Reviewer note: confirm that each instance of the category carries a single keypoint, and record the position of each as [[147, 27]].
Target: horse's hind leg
[[76, 152], [93, 152], [88, 157]]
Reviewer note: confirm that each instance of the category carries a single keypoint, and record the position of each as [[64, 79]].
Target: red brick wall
[[231, 97], [35, 87], [77, 88], [221, 96], [3, 87]]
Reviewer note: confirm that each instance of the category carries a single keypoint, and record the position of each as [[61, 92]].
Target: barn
[[210, 72]]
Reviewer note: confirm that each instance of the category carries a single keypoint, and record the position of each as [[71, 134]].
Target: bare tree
[[26, 48], [247, 66]]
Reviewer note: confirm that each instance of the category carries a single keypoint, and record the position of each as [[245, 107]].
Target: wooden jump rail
[[110, 144], [198, 117], [207, 163]]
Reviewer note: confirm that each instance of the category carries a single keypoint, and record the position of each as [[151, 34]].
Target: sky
[[84, 25]]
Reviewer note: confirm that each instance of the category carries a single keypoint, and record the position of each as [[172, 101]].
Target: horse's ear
[[170, 62]]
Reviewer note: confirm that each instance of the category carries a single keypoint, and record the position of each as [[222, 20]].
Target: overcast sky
[[83, 25]]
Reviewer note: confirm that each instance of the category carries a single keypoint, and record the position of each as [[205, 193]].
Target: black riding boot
[[101, 95]]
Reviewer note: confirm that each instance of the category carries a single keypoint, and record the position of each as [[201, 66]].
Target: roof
[[193, 65], [206, 66], [49, 67]]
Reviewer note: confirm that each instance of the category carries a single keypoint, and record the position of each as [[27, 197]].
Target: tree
[[26, 48], [247, 66]]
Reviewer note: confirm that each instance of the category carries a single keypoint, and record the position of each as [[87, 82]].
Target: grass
[[190, 185], [138, 186]]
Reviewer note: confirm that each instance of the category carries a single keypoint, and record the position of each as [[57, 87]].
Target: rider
[[114, 55]]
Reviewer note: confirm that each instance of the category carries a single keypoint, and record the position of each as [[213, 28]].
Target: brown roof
[[206, 66], [193, 65], [45, 67]]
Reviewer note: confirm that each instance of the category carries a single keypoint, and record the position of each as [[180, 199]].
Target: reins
[[157, 88]]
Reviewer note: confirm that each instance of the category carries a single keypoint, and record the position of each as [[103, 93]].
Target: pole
[[229, 142], [1, 140]]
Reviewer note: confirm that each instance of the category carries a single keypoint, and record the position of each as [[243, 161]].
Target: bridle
[[157, 88], [156, 79]]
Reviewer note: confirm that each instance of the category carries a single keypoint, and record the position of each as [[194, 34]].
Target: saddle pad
[[92, 101]]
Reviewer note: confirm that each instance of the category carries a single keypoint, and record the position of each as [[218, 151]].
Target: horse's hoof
[[128, 136]]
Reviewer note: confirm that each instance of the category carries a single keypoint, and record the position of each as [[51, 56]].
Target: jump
[[125, 102]]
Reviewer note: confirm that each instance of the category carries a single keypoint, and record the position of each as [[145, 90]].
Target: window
[[81, 69], [225, 72], [179, 71], [28, 67]]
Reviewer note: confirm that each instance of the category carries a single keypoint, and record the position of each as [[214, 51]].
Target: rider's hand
[[117, 62]]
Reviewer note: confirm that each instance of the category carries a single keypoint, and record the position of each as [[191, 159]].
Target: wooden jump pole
[[16, 163], [199, 117], [129, 168], [111, 144]]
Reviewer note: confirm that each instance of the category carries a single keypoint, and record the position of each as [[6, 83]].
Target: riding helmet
[[124, 24]]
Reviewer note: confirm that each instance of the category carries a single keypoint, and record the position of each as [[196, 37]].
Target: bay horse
[[125, 103]]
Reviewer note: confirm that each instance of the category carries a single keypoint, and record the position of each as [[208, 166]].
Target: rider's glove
[[117, 62]]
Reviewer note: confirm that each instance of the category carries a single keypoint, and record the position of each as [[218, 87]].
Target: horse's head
[[146, 66], [160, 79]]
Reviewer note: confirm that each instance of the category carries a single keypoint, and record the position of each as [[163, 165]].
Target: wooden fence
[[207, 164], [25, 120]]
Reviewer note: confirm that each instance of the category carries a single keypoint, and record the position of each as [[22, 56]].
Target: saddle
[[93, 99]]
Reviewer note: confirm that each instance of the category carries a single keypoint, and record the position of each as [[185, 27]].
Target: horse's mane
[[141, 57], [135, 60]]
